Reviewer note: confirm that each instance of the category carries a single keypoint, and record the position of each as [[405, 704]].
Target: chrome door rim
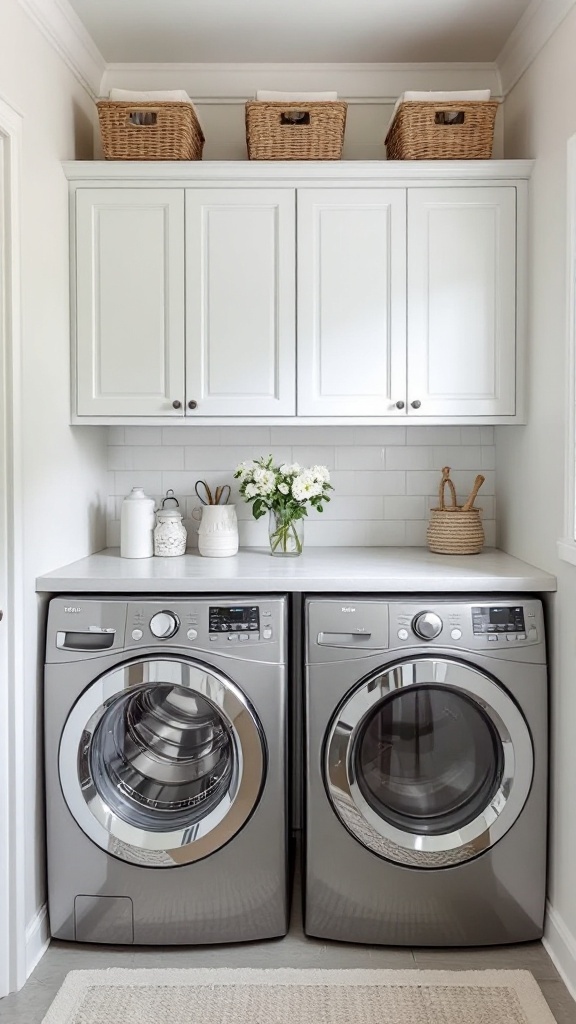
[[183, 845], [472, 839]]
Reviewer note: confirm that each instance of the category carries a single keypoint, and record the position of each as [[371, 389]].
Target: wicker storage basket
[[295, 131], [442, 131], [455, 530], [149, 131]]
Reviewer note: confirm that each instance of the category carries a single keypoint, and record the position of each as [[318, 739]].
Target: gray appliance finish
[[426, 770], [166, 748]]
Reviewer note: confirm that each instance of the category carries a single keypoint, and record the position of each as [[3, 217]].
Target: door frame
[[12, 696]]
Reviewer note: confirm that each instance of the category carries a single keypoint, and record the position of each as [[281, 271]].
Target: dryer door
[[429, 763], [162, 761]]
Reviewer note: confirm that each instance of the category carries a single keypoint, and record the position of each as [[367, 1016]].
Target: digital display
[[498, 615], [498, 619], [231, 619]]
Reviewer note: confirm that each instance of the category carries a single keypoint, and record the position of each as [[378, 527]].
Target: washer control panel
[[207, 625], [488, 626]]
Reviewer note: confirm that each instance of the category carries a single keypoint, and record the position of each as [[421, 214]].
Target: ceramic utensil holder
[[218, 530]]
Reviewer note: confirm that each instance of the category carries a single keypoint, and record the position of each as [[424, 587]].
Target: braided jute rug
[[288, 996]]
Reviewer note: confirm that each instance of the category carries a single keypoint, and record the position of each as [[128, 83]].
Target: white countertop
[[345, 570]]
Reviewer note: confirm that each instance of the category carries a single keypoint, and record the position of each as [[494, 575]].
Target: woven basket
[[295, 131], [452, 530], [149, 131], [442, 131]]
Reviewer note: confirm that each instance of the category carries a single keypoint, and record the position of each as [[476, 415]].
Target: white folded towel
[[268, 96], [154, 96], [467, 95]]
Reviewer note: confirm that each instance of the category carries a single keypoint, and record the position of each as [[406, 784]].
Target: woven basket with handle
[[295, 130], [149, 131], [455, 529], [455, 130]]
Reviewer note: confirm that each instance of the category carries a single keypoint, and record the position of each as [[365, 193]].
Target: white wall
[[62, 468], [540, 115], [385, 478]]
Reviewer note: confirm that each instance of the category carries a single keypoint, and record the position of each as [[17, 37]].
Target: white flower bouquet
[[285, 491]]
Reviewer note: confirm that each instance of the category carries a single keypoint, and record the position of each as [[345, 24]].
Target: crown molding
[[63, 29], [234, 83], [539, 21], [221, 83]]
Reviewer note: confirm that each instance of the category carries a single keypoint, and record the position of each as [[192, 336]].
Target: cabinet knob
[[176, 404], [399, 405], [192, 404], [416, 404]]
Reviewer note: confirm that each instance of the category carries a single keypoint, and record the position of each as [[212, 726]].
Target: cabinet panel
[[462, 301], [240, 296], [130, 301], [351, 301]]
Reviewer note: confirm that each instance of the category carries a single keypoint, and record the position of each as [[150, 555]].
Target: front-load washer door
[[162, 761], [428, 763]]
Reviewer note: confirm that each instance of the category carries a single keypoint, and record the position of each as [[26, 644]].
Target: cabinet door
[[240, 317], [351, 302], [130, 301], [462, 301]]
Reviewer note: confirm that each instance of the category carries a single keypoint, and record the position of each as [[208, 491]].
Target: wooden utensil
[[469, 503]]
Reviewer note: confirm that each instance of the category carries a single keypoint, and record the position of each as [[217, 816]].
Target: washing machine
[[426, 770], [166, 752]]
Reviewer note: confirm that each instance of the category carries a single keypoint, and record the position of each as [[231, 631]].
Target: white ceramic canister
[[218, 530], [169, 533], [136, 525]]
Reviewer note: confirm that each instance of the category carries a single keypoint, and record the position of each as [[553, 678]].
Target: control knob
[[163, 625], [427, 625]]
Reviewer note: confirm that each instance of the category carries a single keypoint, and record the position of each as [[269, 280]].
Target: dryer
[[426, 770], [165, 738]]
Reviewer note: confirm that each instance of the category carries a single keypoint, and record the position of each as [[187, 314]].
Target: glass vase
[[286, 535]]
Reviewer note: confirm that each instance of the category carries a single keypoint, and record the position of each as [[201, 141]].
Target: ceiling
[[318, 31]]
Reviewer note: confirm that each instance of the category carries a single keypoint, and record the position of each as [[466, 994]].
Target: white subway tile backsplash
[[143, 435], [410, 457], [185, 436], [314, 455], [470, 435], [360, 457], [379, 435], [458, 456], [385, 478], [350, 508], [259, 436], [433, 435], [312, 435], [400, 507], [150, 481], [382, 482]]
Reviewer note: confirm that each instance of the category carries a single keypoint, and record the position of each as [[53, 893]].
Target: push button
[[267, 633], [511, 636], [233, 636], [192, 634], [402, 634], [491, 636], [137, 634], [456, 634], [521, 636], [243, 636]]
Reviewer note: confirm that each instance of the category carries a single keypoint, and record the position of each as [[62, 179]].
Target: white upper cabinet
[[130, 301], [378, 292], [461, 301], [240, 302], [351, 301]]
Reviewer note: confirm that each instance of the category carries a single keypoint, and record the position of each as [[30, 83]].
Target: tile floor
[[295, 950]]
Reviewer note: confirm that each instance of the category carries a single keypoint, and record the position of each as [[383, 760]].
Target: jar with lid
[[136, 525], [169, 533]]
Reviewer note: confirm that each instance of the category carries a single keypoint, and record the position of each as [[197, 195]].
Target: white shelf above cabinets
[[350, 293]]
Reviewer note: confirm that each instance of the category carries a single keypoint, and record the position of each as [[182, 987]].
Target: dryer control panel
[[476, 625]]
